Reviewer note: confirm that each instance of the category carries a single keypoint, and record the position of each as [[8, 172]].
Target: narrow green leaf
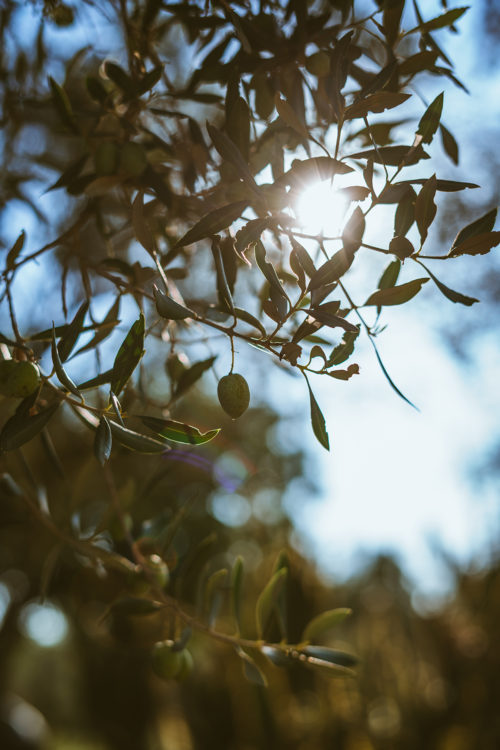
[[325, 316], [304, 258], [103, 441], [378, 102], [223, 291], [21, 427], [231, 153], [343, 350], [425, 208], [479, 244], [247, 317], [268, 270], [353, 231], [61, 373], [72, 332], [450, 145], [446, 19], [332, 270], [250, 669], [390, 275], [446, 186], [212, 223], [167, 308], [14, 251], [248, 235], [179, 432], [429, 122], [396, 295], [388, 377], [62, 105], [236, 591], [215, 586], [135, 441], [128, 356], [104, 329], [318, 420], [393, 156], [325, 621], [267, 600], [289, 117], [480, 226], [450, 293], [192, 374]]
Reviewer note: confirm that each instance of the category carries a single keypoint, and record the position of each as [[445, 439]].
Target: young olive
[[18, 379], [234, 394]]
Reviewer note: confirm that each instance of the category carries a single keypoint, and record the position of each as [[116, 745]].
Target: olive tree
[[181, 153]]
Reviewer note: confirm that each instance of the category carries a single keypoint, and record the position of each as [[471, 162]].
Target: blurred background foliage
[[75, 676]]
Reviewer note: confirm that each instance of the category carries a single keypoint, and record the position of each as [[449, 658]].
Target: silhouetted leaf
[[396, 295], [393, 156], [128, 356], [450, 146], [332, 270], [450, 293], [479, 244], [429, 122], [250, 669], [14, 251], [481, 226], [192, 374], [447, 19], [425, 208], [353, 231], [323, 314], [343, 350], [318, 420], [21, 427], [167, 308], [213, 223], [72, 332], [231, 153], [103, 441], [61, 373], [378, 102]]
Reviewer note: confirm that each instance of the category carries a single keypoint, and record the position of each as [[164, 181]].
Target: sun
[[321, 209]]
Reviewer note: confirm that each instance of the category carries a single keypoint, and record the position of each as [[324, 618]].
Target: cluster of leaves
[[275, 86]]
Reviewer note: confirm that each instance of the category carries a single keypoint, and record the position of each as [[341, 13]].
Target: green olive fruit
[[318, 64], [106, 158], [186, 667], [133, 159], [18, 379], [165, 661], [234, 394]]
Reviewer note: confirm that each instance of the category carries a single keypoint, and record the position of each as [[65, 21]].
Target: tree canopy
[[161, 164]]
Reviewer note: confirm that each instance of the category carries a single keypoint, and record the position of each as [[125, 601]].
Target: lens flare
[[321, 209]]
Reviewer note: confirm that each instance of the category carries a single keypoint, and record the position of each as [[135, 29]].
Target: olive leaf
[[168, 308], [179, 432], [103, 441], [450, 293], [213, 222], [429, 122], [325, 621], [128, 356], [317, 419], [378, 102], [72, 332], [396, 295], [21, 427], [268, 598]]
